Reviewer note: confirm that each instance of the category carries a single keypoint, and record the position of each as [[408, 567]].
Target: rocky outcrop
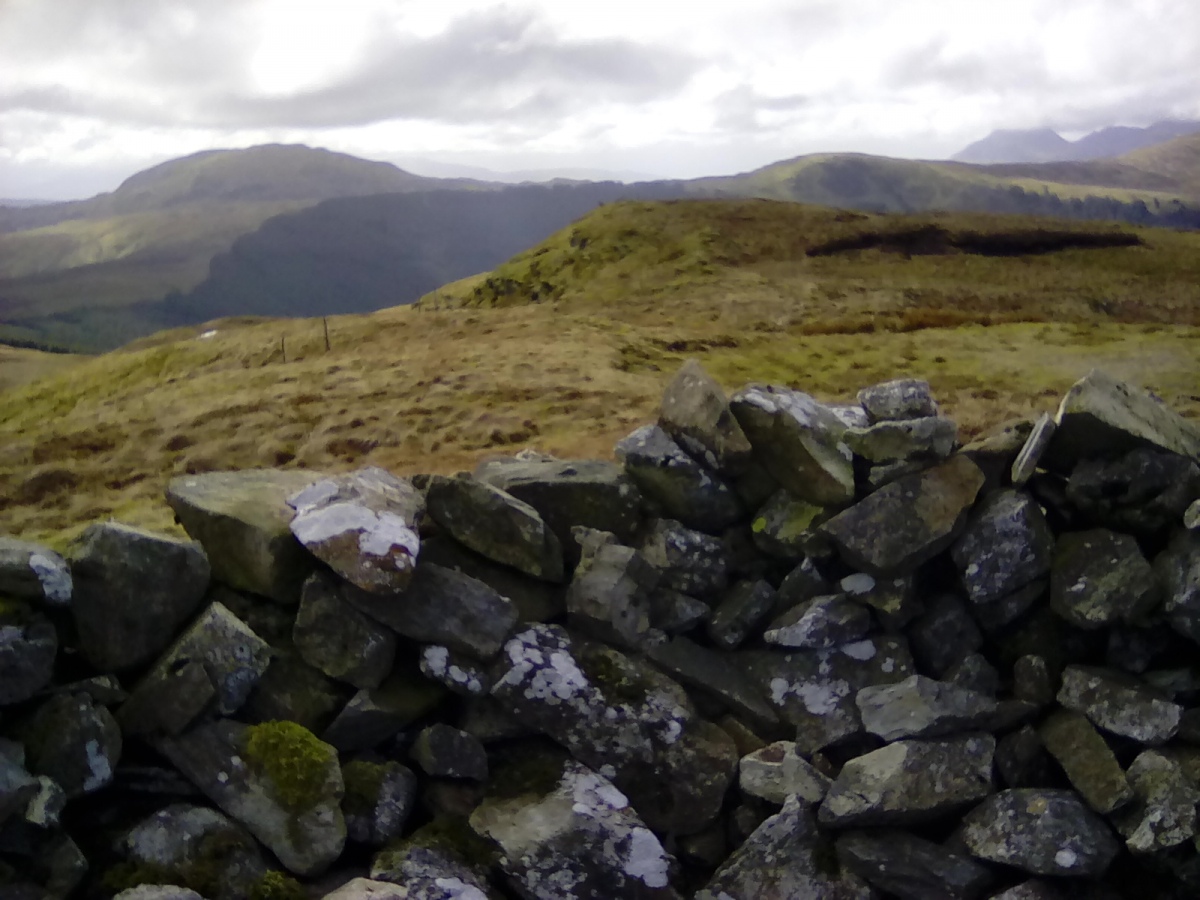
[[778, 649]]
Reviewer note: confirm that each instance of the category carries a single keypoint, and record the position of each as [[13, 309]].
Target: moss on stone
[[292, 759], [454, 835], [275, 885], [125, 875], [537, 773], [363, 781], [616, 678]]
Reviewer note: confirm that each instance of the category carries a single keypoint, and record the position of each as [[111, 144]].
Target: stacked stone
[[780, 649]]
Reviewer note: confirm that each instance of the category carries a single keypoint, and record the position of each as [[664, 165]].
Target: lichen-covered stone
[[74, 741], [974, 673], [799, 441], [497, 525], [534, 599], [443, 860], [908, 521], [1087, 760], [1027, 461], [611, 593], [820, 624], [682, 487], [378, 800], [459, 673], [30, 571], [1099, 578], [294, 691], [894, 600], [786, 857], [581, 839], [373, 715], [777, 772], [363, 525], [674, 613], [1119, 704], [922, 707], [1042, 832], [944, 634], [1164, 815], [691, 562], [741, 612], [332, 635], [1144, 492], [696, 413], [911, 868], [903, 398], [711, 672], [28, 648], [1006, 545], [785, 527], [1178, 571], [133, 591], [242, 520], [929, 437], [445, 752], [910, 782]]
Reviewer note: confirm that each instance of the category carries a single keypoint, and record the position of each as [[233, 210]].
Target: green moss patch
[[277, 886], [295, 762], [363, 781]]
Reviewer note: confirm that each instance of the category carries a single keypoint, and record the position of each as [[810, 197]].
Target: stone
[[372, 716], [456, 671], [1191, 516], [581, 838], [691, 562], [777, 772], [820, 624], [1119, 705], [1177, 569], [333, 636], [696, 413], [363, 525], [903, 398], [922, 707], [1006, 545], [443, 606], [1022, 760], [801, 584], [911, 868], [682, 487], [814, 690], [213, 666], [133, 592], [1100, 416], [30, 571], [158, 892], [1032, 680], [894, 600], [1027, 461], [742, 610], [929, 437], [28, 648], [785, 527], [445, 752], [276, 779], [1087, 760], [378, 801], [909, 521], [1145, 492], [675, 613], [291, 690], [1165, 813], [996, 450], [74, 741], [1100, 578], [910, 782], [1034, 889], [785, 857], [497, 525], [974, 673], [883, 474], [1042, 832], [798, 441], [617, 714], [944, 634], [243, 521], [368, 889], [611, 593], [535, 600], [709, 671], [430, 864]]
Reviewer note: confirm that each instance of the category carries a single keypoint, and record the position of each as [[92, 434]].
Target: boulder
[[378, 801], [820, 624], [133, 592], [376, 714], [1177, 569], [611, 593], [1006, 545], [363, 525], [1087, 760], [243, 521], [911, 868], [1144, 492], [691, 562], [696, 413], [1100, 578], [1026, 464], [741, 612], [944, 634], [1164, 815], [30, 571], [785, 527], [930, 437], [444, 860], [1119, 704], [711, 672], [293, 691], [534, 599], [903, 398], [333, 636], [922, 707], [75, 742], [777, 772], [445, 752], [28, 648]]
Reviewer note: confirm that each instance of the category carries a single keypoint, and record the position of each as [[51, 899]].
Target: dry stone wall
[[779, 649]]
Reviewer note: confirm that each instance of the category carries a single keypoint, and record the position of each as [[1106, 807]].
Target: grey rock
[[944, 634], [214, 665], [158, 892], [18, 787], [911, 868], [1022, 760], [997, 449], [799, 441], [821, 623], [910, 782], [1177, 569], [445, 752], [1006, 545], [974, 673], [1191, 516], [1032, 680], [1027, 461], [777, 772], [332, 635], [456, 671], [293, 691], [133, 592], [996, 617], [30, 571], [28, 647], [743, 609], [786, 857], [909, 521], [1100, 578], [363, 525], [610, 710], [379, 799], [691, 562], [852, 415], [305, 831], [699, 667], [428, 867], [801, 584], [696, 413], [369, 889], [1042, 832], [243, 522], [1144, 492], [611, 593], [1100, 416], [497, 525], [1087, 760], [885, 473], [894, 600], [676, 613], [1165, 813], [904, 398], [372, 716], [785, 527], [75, 742], [683, 488], [1119, 705], [921, 707], [930, 437], [1034, 889], [443, 606]]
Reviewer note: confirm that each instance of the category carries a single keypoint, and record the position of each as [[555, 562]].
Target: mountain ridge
[[1044, 145]]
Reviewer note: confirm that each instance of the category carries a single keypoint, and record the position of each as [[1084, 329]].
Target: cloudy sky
[[94, 90]]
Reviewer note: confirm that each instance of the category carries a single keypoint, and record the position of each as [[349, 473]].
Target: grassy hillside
[[757, 290]]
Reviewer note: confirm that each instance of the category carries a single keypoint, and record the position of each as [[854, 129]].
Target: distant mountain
[[1041, 145], [436, 169], [23, 202]]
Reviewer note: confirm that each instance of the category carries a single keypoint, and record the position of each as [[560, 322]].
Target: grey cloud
[[931, 64], [738, 110]]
